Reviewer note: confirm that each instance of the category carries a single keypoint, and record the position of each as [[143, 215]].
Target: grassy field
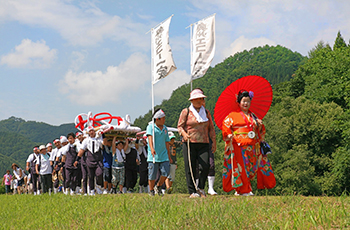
[[177, 211]]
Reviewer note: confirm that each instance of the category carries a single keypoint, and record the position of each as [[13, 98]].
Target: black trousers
[[46, 182], [130, 178], [143, 178], [84, 174], [72, 178], [95, 172], [199, 152], [35, 181]]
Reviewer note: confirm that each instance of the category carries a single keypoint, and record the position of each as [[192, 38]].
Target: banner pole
[[152, 77], [191, 47]]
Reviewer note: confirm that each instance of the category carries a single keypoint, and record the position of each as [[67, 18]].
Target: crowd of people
[[97, 164], [90, 164]]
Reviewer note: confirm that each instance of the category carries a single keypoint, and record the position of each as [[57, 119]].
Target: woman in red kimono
[[242, 132]]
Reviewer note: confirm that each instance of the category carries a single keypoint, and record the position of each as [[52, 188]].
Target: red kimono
[[243, 159]]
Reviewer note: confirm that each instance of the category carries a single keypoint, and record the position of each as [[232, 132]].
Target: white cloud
[[164, 88], [243, 43], [295, 24], [96, 88], [78, 59], [30, 54], [79, 25]]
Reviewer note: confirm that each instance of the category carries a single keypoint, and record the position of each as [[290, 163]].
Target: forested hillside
[[276, 64], [17, 138], [309, 127]]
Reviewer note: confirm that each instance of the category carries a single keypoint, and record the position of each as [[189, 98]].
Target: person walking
[[45, 169], [141, 146], [131, 167], [7, 181], [30, 166], [173, 144], [158, 151], [19, 175], [92, 145], [195, 125]]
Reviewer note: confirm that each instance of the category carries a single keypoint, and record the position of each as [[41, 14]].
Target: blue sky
[[62, 58]]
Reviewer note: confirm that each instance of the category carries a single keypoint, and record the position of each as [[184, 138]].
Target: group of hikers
[[96, 163]]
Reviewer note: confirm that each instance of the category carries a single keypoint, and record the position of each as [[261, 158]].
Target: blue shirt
[[107, 157], [161, 137]]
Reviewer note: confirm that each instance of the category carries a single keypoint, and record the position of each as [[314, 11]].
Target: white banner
[[203, 46], [163, 63]]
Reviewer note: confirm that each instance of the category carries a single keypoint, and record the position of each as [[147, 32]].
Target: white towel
[[201, 116]]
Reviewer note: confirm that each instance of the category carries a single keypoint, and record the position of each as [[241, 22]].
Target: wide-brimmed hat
[[196, 93]]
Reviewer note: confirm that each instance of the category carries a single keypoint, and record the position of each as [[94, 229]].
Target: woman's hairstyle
[[243, 93], [14, 164]]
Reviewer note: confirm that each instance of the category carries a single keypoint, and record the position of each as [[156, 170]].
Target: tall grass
[[177, 211]]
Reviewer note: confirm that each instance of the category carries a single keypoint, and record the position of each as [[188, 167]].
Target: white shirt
[[45, 167], [32, 157], [62, 150], [53, 154], [78, 144], [17, 172], [66, 148], [88, 144]]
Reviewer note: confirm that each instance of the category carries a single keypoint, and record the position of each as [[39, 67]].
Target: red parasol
[[260, 104]]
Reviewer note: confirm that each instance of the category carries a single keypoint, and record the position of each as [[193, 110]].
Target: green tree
[[339, 42]]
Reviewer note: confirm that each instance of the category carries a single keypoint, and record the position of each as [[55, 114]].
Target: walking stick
[[189, 163]]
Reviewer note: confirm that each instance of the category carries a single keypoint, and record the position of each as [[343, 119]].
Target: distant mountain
[[275, 63], [17, 138]]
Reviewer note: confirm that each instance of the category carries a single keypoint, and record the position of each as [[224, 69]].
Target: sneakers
[[156, 191], [92, 192], [98, 189], [119, 192], [202, 193], [105, 192], [151, 193], [169, 190], [194, 195]]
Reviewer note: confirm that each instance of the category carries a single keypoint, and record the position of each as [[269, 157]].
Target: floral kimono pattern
[[243, 159]]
